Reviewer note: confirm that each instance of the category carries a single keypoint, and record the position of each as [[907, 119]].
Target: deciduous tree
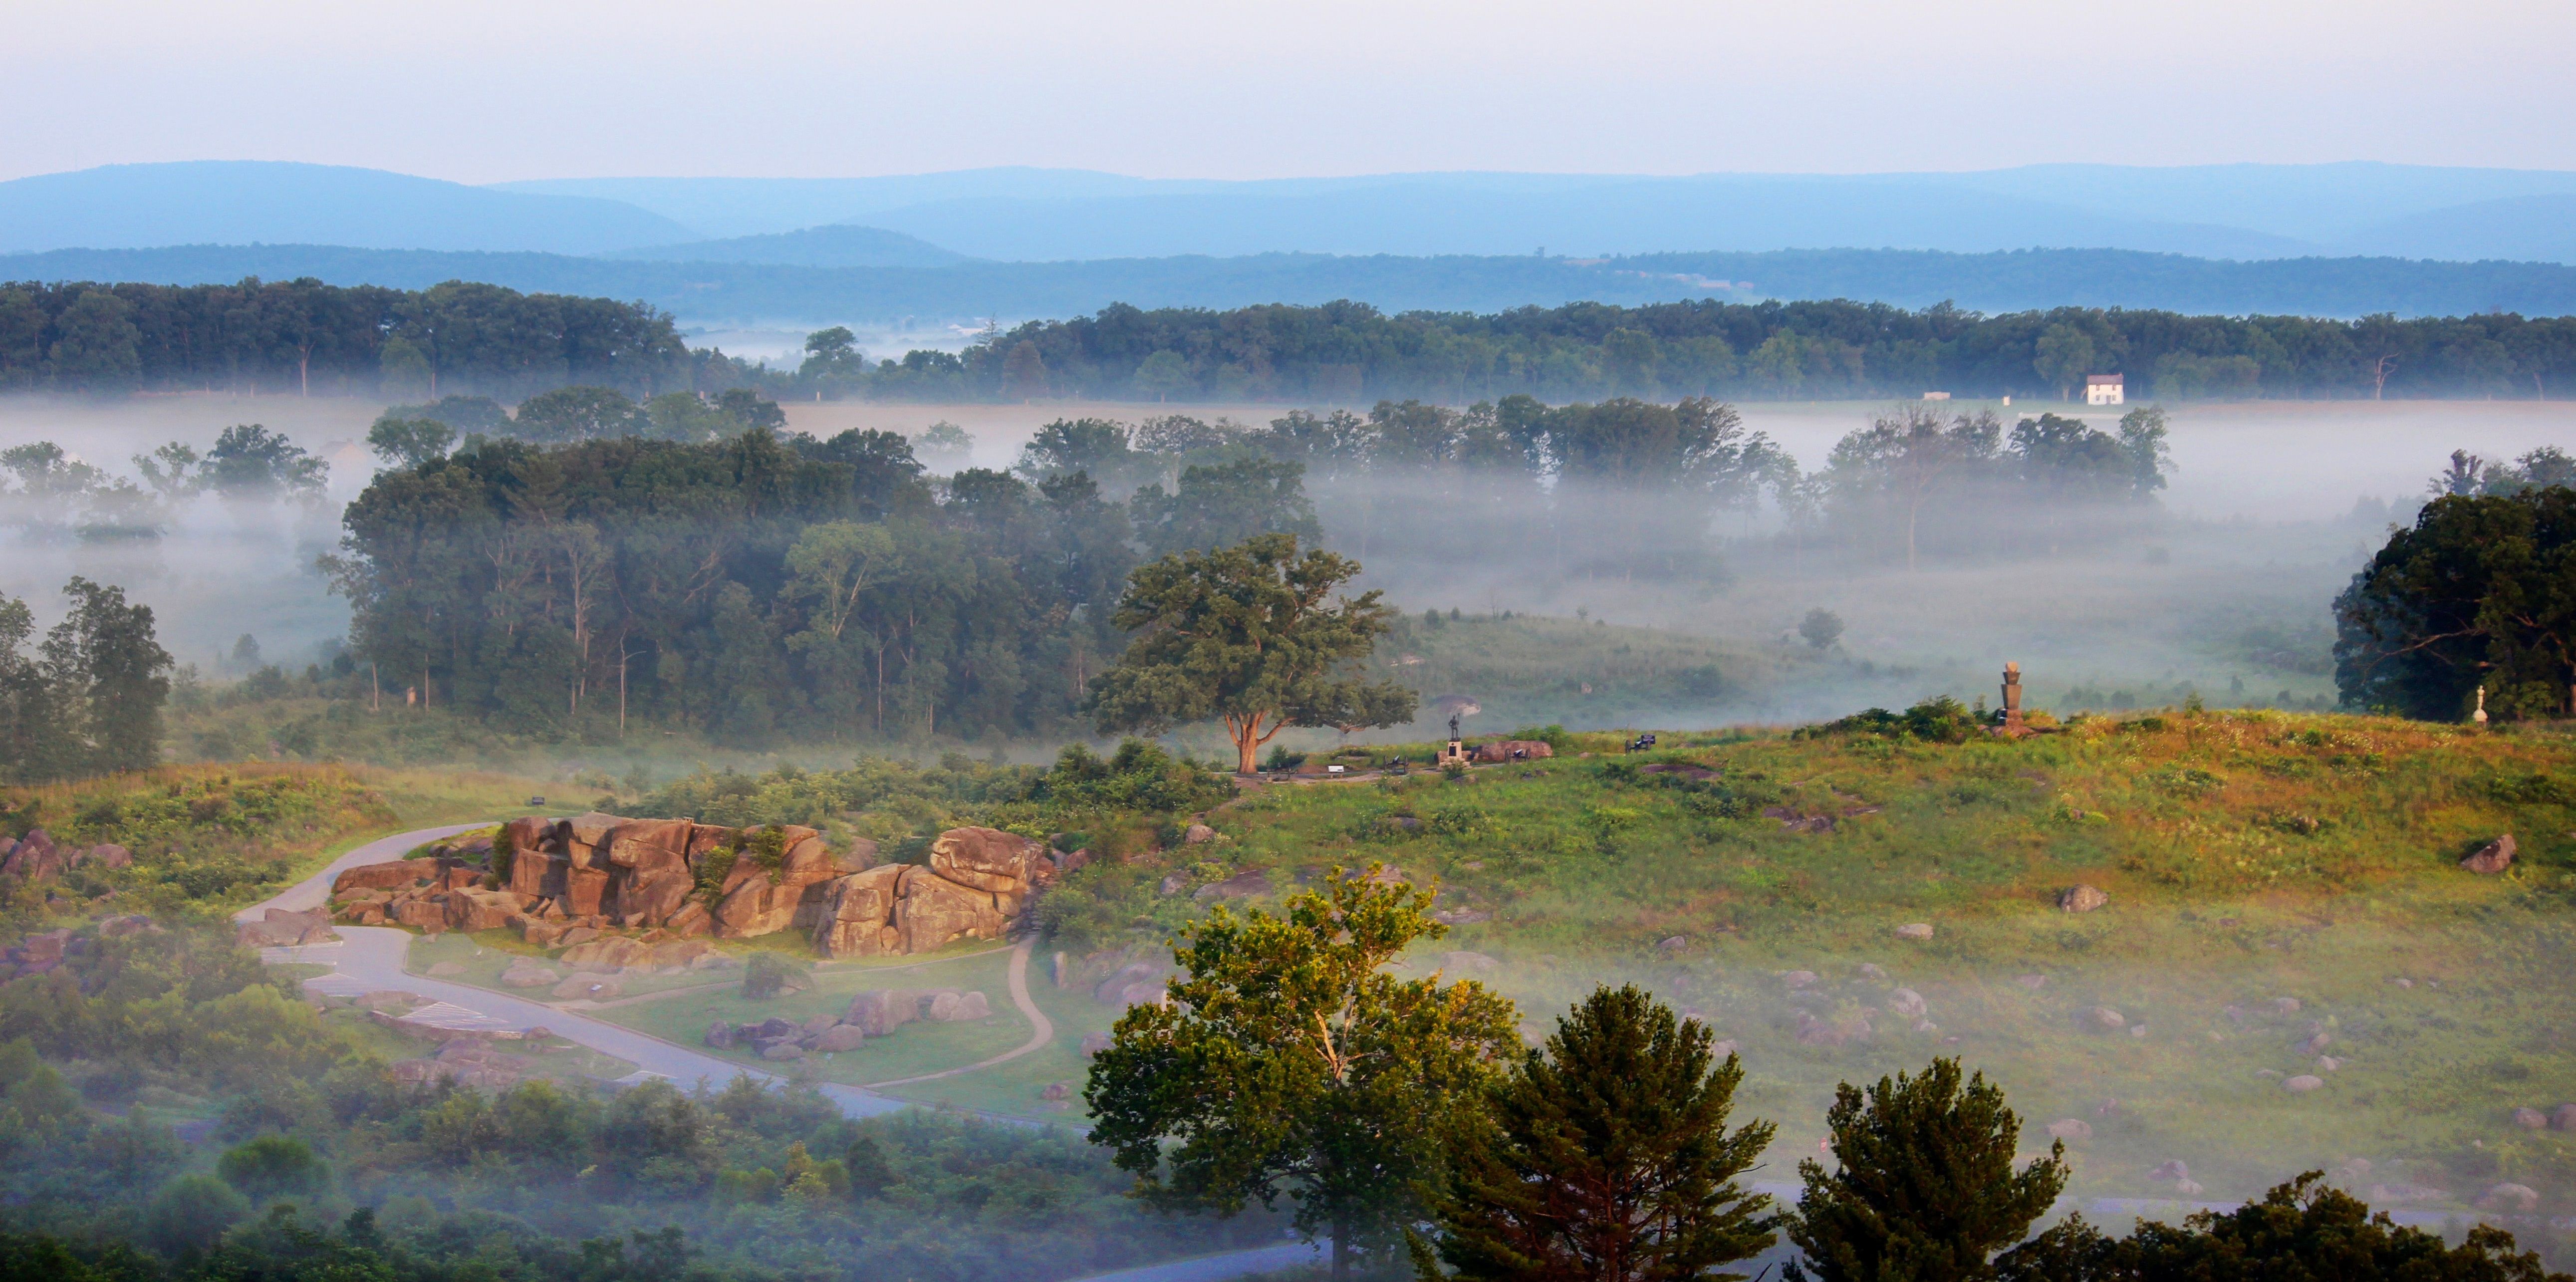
[[1249, 635], [1287, 1059]]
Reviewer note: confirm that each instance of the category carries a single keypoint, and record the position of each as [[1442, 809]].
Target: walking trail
[[371, 958]]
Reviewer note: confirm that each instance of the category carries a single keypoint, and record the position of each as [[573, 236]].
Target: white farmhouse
[[2105, 389]]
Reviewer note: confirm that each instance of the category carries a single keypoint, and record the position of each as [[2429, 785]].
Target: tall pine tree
[[1605, 1156], [1926, 1191]]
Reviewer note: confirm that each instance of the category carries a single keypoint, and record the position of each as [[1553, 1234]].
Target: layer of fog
[[2228, 597]]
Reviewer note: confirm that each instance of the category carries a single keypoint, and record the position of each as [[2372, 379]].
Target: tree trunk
[[1341, 1253]]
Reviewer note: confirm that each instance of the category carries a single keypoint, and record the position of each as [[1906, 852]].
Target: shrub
[[768, 974]]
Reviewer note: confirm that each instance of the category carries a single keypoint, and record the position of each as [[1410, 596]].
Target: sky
[[492, 90]]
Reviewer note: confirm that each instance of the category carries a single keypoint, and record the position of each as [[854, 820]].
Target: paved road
[[374, 956]]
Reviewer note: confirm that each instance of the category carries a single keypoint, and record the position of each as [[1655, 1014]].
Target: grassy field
[[2254, 862], [913, 1049]]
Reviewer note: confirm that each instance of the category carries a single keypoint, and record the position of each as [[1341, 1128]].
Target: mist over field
[[2270, 507]]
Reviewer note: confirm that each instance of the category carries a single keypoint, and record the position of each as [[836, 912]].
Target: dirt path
[[1044, 1028], [376, 956]]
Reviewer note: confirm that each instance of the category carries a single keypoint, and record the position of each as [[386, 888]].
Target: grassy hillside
[[210, 837], [2271, 877]]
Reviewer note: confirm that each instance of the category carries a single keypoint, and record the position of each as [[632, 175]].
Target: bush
[[767, 975], [271, 1166], [191, 1214]]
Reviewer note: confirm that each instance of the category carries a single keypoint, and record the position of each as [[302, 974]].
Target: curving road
[[374, 956]]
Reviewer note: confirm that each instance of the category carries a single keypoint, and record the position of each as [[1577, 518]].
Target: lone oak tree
[[1245, 635], [1286, 1058]]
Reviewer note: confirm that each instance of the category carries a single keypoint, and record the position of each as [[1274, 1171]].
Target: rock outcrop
[[35, 857], [978, 885], [561, 882], [1501, 750]]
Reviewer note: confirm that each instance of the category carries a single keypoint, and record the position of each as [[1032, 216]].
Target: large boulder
[[480, 909], [35, 858], [399, 874], [880, 1011], [648, 869], [584, 837], [756, 900], [584, 890], [535, 871], [956, 1008], [839, 1037], [1110, 991], [528, 972], [692, 919], [1503, 750], [2082, 899], [2493, 857], [858, 911], [608, 954], [109, 855], [935, 912], [986, 859], [279, 927]]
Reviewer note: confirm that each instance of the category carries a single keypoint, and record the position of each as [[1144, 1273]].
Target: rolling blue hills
[[248, 202]]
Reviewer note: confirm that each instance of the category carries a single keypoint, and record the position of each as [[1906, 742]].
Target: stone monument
[[1456, 752], [2012, 699]]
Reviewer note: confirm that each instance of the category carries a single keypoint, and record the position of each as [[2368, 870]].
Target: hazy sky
[[485, 90]]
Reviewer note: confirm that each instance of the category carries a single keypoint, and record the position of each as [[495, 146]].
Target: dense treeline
[[758, 584], [752, 586], [457, 337], [305, 336], [1346, 352]]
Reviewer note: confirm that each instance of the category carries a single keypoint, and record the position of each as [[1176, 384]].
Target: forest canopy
[[461, 337]]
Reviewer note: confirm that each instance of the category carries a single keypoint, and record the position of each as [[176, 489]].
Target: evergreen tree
[[1605, 1156], [1926, 1191]]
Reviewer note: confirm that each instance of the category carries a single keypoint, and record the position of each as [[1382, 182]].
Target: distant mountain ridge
[[2218, 211], [273, 202], [724, 293], [2242, 212]]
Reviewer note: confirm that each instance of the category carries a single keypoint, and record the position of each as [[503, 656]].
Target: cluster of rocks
[[466, 1061], [597, 966], [554, 879], [38, 857], [875, 1013], [2561, 1118], [46, 951]]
